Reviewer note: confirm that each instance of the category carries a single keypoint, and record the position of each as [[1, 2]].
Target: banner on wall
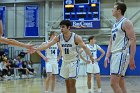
[[31, 21], [3, 18]]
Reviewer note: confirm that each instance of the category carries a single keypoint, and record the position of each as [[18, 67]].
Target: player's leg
[[89, 81], [67, 85], [122, 85], [115, 83], [98, 82], [53, 77], [52, 82], [122, 79], [96, 71], [47, 81], [89, 76], [116, 69], [72, 85], [49, 75], [73, 72], [64, 72]]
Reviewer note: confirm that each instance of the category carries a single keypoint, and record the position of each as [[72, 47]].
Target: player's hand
[[46, 59], [97, 59], [31, 50], [29, 46], [132, 64], [88, 62], [106, 61], [92, 60], [58, 58]]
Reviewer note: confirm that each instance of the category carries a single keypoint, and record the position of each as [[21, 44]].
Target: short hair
[[91, 37], [121, 6], [52, 33], [65, 22]]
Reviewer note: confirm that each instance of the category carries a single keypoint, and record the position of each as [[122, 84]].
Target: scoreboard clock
[[83, 13]]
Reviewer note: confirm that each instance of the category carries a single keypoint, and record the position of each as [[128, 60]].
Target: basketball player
[[69, 42], [12, 41], [93, 68], [51, 62], [122, 37]]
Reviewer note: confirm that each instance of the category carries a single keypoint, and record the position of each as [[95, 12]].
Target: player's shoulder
[[77, 36], [127, 24]]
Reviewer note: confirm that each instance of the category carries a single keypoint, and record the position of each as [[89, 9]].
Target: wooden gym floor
[[36, 85]]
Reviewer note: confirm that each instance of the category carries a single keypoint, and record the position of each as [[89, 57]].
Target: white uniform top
[[51, 52], [93, 49], [119, 39], [69, 48]]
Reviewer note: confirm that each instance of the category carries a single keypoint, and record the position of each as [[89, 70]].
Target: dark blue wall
[[106, 71], [136, 72]]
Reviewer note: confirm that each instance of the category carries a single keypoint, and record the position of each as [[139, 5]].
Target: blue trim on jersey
[[63, 77], [78, 67], [69, 37], [124, 62], [126, 41], [120, 64], [122, 28], [59, 37], [116, 24]]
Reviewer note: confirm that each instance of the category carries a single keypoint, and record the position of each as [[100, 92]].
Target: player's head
[[52, 34], [65, 26], [91, 39], [119, 8]]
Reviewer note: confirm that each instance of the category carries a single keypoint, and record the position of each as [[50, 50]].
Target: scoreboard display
[[83, 13]]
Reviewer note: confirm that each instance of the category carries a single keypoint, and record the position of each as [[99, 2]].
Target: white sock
[[99, 90], [89, 90]]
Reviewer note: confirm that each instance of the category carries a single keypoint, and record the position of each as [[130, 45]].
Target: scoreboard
[[83, 13]]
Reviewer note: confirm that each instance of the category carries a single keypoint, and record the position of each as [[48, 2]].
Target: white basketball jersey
[[69, 48], [119, 39], [93, 49], [51, 52]]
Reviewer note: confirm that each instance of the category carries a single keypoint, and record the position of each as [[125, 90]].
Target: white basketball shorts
[[93, 68], [69, 70], [119, 63]]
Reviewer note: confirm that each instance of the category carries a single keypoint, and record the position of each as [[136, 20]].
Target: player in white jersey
[[122, 37], [69, 42], [93, 68], [51, 64]]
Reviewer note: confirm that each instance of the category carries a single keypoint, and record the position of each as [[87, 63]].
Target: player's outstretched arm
[[12, 41], [15, 43], [42, 55], [49, 44]]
